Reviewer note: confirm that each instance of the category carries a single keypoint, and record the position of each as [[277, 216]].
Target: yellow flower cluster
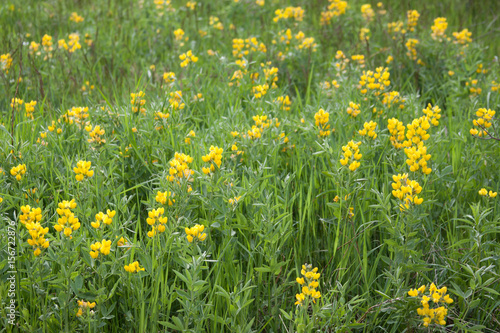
[[367, 12], [5, 62], [307, 44], [485, 193], [216, 23], [30, 215], [53, 127], [84, 306], [463, 37], [103, 247], [190, 135], [495, 87], [82, 170], [321, 119], [137, 101], [417, 131], [37, 233], [364, 34], [77, 115], [284, 102], [296, 13], [47, 44], [394, 28], [335, 8], [369, 129], [187, 58], [34, 47], [439, 28], [351, 155], [195, 233], [474, 89], [67, 220], [260, 90], [16, 103], [95, 134], [105, 218], [438, 296], [242, 47], [179, 34], [309, 283], [133, 267], [18, 171], [412, 16], [417, 158], [353, 109], [360, 59], [375, 81], [73, 43], [179, 167], [76, 18], [433, 114], [165, 197], [169, 77], [393, 98], [175, 101], [411, 48], [406, 190], [214, 157], [483, 121], [261, 123], [157, 221], [235, 200]]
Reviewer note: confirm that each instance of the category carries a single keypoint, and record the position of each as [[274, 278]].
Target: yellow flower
[[82, 170], [195, 233], [18, 171], [133, 267]]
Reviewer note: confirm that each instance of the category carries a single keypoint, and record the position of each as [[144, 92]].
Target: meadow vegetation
[[249, 166]]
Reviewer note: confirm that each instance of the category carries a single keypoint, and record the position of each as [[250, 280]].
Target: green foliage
[[283, 194]]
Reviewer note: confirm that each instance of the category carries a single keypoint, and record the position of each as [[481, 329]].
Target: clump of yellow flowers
[[82, 170], [133, 267], [30, 218], [483, 121], [37, 233], [374, 81], [321, 121], [369, 129], [30, 215], [104, 218], [430, 315], [164, 197], [296, 13], [351, 155], [85, 306], [406, 190], [353, 109], [187, 58], [439, 28], [195, 233], [214, 157], [137, 101], [67, 220], [30, 108], [485, 193], [5, 62], [18, 171], [157, 221], [103, 247], [95, 134], [309, 283], [179, 167]]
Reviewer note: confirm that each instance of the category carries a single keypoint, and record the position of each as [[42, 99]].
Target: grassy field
[[249, 166]]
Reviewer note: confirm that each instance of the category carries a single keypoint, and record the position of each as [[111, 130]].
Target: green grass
[[293, 200]]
